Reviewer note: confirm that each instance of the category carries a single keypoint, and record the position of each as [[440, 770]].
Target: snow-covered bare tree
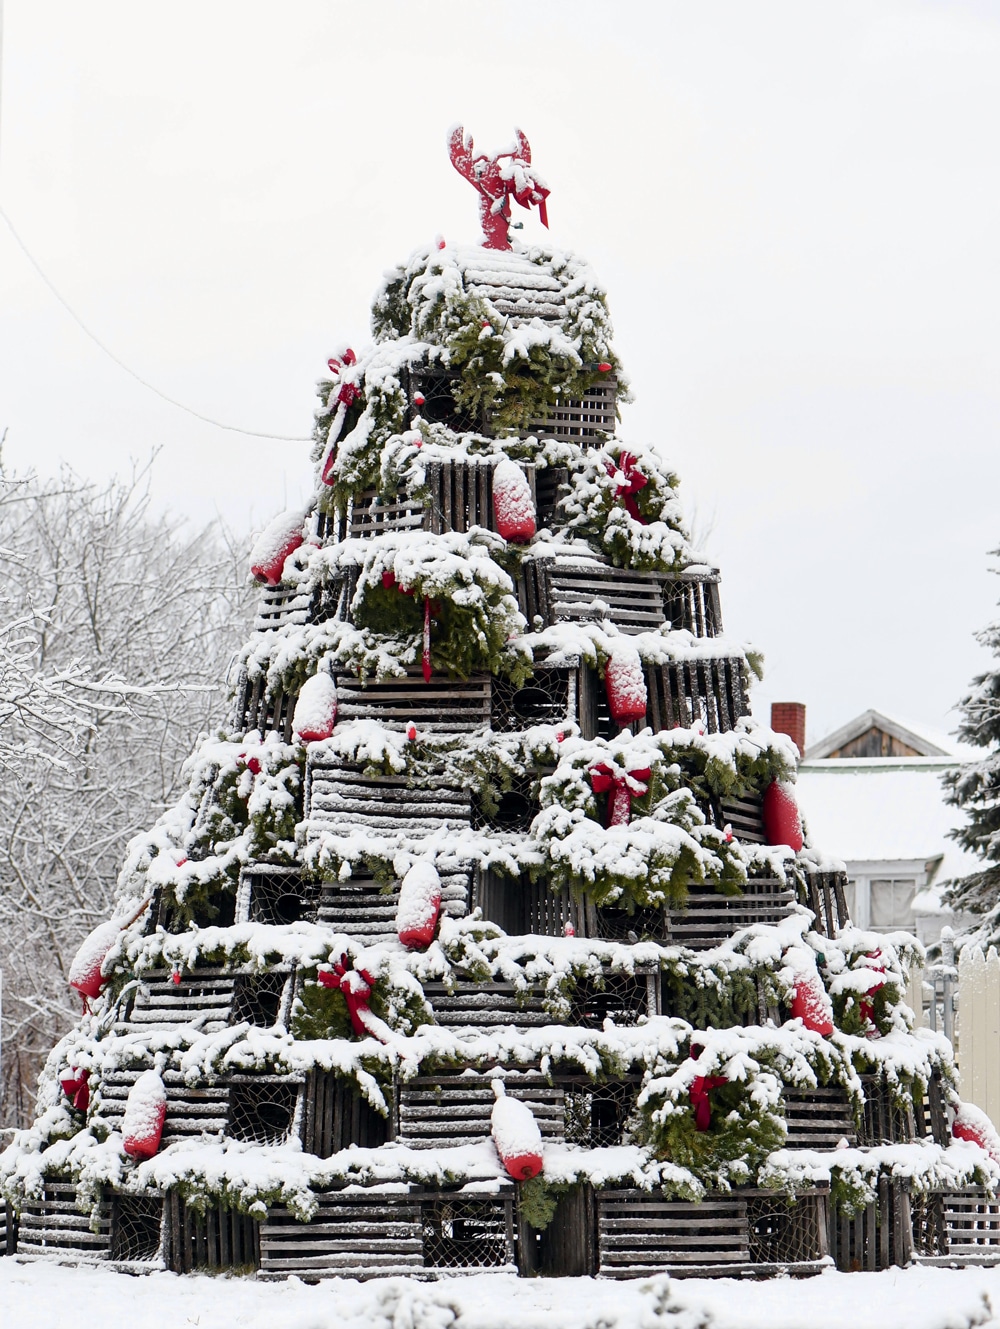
[[116, 626]]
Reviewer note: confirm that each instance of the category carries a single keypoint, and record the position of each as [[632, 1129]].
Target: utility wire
[[207, 419]]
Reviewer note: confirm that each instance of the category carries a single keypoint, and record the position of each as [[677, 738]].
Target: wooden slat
[[441, 706], [340, 798]]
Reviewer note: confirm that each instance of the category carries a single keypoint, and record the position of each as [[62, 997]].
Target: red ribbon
[[701, 1085], [76, 1089], [622, 788], [356, 993], [349, 394], [631, 482], [426, 657]]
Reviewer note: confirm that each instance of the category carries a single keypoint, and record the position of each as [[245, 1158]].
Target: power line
[[207, 419]]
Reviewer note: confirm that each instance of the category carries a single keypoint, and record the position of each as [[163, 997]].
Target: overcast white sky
[[795, 208]]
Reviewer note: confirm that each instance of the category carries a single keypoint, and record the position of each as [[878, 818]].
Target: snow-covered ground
[[45, 1296]]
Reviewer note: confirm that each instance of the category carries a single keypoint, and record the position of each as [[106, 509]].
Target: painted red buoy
[[85, 974], [516, 1136], [513, 506], [315, 714], [811, 1005], [625, 685], [782, 823], [145, 1112], [419, 906], [279, 539]]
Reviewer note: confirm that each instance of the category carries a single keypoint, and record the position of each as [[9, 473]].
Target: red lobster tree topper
[[498, 179]]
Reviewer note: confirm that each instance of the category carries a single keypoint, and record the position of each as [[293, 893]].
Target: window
[[891, 903]]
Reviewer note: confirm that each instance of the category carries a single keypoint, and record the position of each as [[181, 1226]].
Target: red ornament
[[419, 399], [701, 1087], [628, 480], [604, 366], [497, 183], [76, 1088], [622, 788], [625, 686], [252, 765], [315, 713], [273, 546], [569, 930], [145, 1112], [513, 506], [516, 1136], [782, 824], [419, 906], [411, 732], [811, 1005], [356, 985]]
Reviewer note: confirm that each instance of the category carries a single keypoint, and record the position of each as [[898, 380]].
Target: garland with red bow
[[76, 1088], [388, 582], [628, 480], [621, 788], [356, 986], [340, 399], [701, 1087]]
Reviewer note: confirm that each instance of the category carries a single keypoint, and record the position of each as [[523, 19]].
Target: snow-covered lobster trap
[[486, 935]]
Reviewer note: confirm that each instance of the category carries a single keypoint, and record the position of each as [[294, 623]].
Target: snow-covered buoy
[[811, 1005], [85, 974], [316, 709], [419, 906], [278, 539], [625, 685], [513, 506], [782, 823], [516, 1135], [145, 1112], [972, 1124]]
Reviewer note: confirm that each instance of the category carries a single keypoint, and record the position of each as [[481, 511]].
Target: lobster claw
[[460, 150]]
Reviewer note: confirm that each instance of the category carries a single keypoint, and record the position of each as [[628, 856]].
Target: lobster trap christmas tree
[[486, 935]]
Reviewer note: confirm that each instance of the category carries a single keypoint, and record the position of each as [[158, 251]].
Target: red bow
[[700, 1101], [632, 480], [356, 985], [866, 1008], [634, 784], [76, 1089]]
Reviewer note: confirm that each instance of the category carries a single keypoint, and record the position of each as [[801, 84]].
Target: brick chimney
[[789, 717]]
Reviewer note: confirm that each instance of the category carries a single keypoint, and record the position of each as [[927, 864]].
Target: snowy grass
[[49, 1296]]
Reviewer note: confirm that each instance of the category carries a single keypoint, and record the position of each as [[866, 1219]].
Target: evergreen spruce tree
[[975, 788]]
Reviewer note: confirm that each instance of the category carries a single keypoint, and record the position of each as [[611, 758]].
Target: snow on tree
[[489, 850], [975, 788], [101, 589]]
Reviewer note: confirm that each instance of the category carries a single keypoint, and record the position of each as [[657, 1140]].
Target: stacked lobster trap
[[486, 936]]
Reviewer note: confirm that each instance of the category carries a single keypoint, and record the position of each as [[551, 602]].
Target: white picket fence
[[979, 1029]]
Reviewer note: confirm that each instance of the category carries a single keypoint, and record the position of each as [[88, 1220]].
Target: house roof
[[922, 740], [881, 809]]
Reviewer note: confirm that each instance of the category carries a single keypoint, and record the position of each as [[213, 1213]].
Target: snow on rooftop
[[882, 808], [923, 738]]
